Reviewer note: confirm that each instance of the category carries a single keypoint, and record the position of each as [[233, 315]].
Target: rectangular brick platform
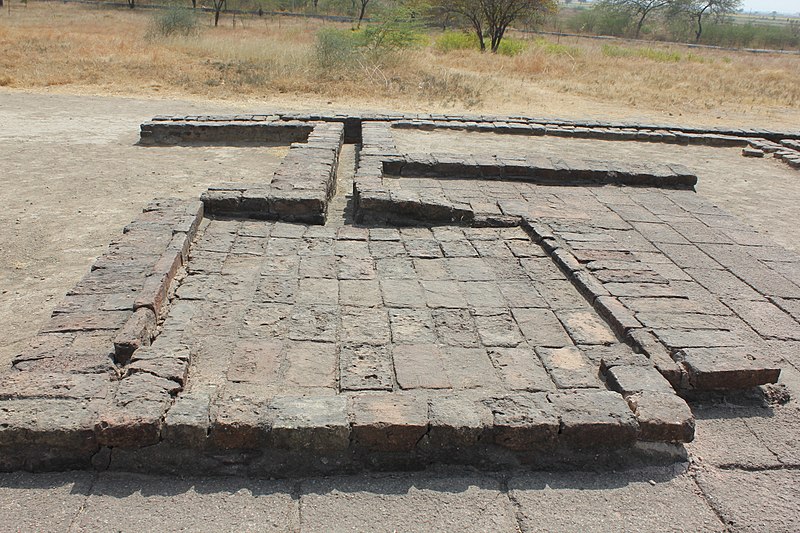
[[481, 311], [303, 347]]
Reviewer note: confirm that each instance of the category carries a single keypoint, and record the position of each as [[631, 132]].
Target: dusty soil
[[763, 192]]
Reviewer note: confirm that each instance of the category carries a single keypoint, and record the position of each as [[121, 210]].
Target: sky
[[781, 6]]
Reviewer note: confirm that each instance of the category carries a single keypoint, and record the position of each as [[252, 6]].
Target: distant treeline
[[708, 22]]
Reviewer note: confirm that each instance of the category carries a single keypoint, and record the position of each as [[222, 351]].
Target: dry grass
[[84, 49]]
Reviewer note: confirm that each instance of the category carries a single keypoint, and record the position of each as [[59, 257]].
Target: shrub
[[174, 20], [511, 47], [335, 47], [371, 45], [751, 35], [456, 40]]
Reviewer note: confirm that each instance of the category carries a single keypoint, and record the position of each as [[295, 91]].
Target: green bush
[[599, 22], [459, 40], [391, 35], [751, 35], [456, 40], [174, 20], [336, 47], [511, 47]]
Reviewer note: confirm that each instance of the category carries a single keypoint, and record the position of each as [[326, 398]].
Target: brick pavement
[[533, 322]]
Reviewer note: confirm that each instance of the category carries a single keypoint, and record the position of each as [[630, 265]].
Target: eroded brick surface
[[501, 307]]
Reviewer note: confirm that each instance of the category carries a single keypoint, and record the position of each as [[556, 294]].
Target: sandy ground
[[72, 177]]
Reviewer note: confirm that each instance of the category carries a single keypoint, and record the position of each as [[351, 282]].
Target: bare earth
[[73, 177]]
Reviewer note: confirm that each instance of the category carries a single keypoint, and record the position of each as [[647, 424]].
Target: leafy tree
[[491, 18], [697, 9], [637, 9]]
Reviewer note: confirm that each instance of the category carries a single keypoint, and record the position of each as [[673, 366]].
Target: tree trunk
[[699, 31], [479, 33], [639, 25], [194, 4], [216, 15], [361, 13], [497, 37]]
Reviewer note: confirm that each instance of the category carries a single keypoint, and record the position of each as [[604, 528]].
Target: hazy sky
[[781, 6]]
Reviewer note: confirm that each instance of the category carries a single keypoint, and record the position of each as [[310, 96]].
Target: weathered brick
[[455, 327], [768, 320], [138, 331], [21, 385], [56, 423], [89, 321], [411, 326], [317, 323], [726, 368], [594, 418], [239, 423], [187, 422], [569, 368], [523, 421], [154, 294], [585, 327], [310, 364], [135, 424], [702, 338], [420, 366], [619, 317], [520, 369], [162, 361], [317, 423], [497, 327], [627, 379], [365, 367], [390, 423], [662, 417], [647, 343], [589, 286], [457, 421]]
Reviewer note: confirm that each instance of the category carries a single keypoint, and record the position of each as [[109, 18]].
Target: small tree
[[471, 12], [637, 9], [491, 18], [697, 9]]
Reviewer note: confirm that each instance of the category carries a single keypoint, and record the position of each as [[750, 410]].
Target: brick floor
[[480, 311]]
